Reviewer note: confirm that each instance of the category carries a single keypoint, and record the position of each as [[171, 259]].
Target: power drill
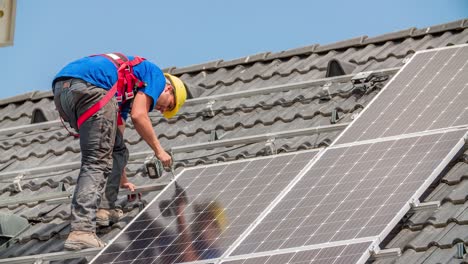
[[155, 168]]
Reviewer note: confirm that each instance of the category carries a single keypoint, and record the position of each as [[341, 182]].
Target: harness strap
[[97, 106], [116, 57]]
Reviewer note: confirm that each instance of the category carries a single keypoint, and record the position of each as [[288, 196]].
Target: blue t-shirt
[[100, 71]]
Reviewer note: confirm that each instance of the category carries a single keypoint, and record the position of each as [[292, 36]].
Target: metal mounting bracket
[[271, 146], [377, 253], [326, 95], [362, 77], [417, 206], [17, 182], [209, 112]]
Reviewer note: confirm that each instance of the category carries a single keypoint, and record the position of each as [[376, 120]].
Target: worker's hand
[[124, 183], [165, 158], [128, 185]]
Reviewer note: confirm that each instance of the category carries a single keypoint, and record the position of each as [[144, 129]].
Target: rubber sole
[[74, 246]]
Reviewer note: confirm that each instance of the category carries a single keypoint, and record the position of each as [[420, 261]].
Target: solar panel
[[216, 204], [353, 192], [343, 254], [430, 92]]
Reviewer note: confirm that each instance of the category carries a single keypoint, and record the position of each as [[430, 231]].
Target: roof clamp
[[209, 112], [40, 261], [378, 254], [361, 81], [17, 183], [325, 94], [406, 60], [335, 116], [416, 206], [271, 146], [355, 115]]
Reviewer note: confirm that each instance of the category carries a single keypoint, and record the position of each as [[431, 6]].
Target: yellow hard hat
[[209, 212], [180, 94], [219, 215]]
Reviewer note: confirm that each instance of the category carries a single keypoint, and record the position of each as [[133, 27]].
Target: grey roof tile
[[31, 96], [293, 52], [458, 173], [8, 122], [429, 235], [432, 255], [341, 44], [44, 231], [199, 67], [459, 194], [455, 25], [402, 34]]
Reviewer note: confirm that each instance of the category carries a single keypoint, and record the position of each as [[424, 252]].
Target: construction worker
[[95, 95]]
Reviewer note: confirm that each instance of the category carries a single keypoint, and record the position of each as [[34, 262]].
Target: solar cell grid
[[429, 93], [344, 254], [214, 204], [351, 192]]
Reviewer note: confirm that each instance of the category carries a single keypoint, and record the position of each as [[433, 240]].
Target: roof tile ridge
[[316, 48], [32, 96], [454, 25]]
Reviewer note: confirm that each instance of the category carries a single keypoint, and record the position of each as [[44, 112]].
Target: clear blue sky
[[50, 33]]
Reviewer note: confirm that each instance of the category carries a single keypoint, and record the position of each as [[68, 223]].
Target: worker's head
[[209, 220], [173, 96]]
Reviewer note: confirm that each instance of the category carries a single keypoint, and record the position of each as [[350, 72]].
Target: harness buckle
[[139, 84], [119, 98], [129, 95]]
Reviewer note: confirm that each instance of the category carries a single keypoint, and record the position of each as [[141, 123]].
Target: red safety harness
[[126, 86]]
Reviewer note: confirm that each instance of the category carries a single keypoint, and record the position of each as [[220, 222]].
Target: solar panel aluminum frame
[[363, 259], [420, 191], [389, 83], [402, 136], [169, 185]]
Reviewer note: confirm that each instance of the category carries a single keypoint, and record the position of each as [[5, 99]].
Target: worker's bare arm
[[143, 126]]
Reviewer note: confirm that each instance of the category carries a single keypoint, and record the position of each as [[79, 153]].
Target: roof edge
[[316, 48], [32, 96]]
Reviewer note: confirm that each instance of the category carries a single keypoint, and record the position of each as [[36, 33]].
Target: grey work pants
[[103, 151]]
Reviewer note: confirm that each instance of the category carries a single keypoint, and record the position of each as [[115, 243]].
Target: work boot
[[106, 217], [78, 240]]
